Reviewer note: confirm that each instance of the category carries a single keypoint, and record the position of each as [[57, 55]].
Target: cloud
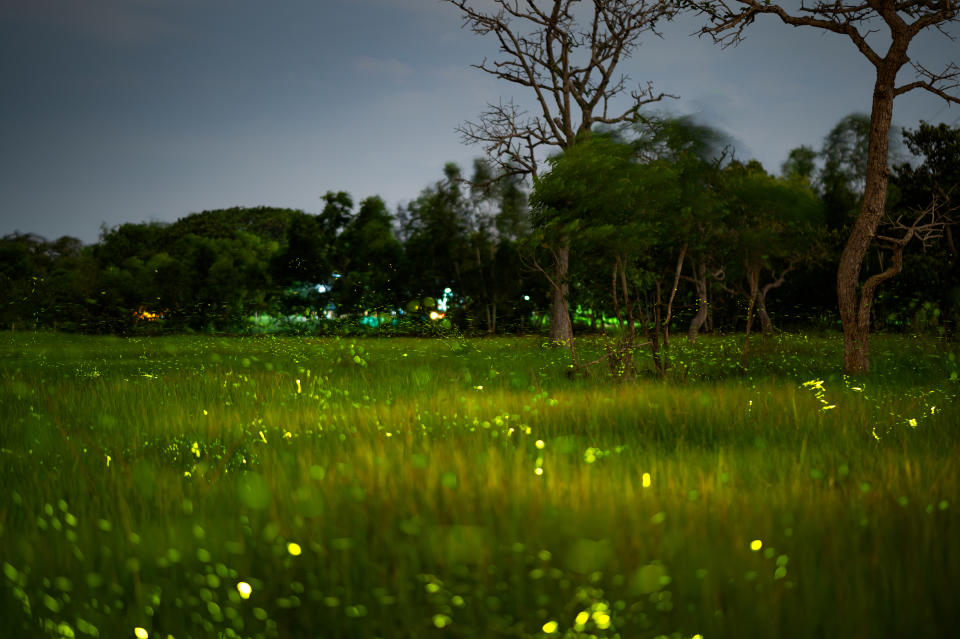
[[381, 66]]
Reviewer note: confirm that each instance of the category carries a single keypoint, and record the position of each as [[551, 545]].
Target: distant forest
[[668, 228]]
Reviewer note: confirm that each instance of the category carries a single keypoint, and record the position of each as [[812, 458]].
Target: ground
[[292, 487]]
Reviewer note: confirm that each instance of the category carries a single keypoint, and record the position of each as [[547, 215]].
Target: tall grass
[[416, 488]]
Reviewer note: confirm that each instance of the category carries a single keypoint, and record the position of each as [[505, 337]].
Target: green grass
[[144, 479]]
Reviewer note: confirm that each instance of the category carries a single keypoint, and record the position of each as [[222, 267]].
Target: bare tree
[[858, 20], [570, 66]]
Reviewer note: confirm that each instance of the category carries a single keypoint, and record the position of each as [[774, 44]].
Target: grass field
[[281, 487]]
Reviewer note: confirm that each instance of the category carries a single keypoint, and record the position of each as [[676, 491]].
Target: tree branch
[[949, 78], [728, 24]]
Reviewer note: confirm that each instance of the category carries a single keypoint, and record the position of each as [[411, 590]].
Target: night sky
[[117, 111]]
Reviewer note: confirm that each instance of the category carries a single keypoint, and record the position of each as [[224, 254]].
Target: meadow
[[296, 487]]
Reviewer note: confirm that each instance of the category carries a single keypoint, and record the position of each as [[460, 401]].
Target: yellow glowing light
[[540, 443], [538, 471], [205, 411], [697, 636], [912, 422], [602, 620], [646, 480], [294, 549], [263, 437], [244, 589], [435, 315], [582, 618], [141, 633], [298, 387], [756, 545], [550, 627]]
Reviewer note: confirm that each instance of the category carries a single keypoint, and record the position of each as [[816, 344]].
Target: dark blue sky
[[118, 111]]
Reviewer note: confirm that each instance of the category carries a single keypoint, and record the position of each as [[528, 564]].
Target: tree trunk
[[855, 316], [673, 294], [700, 282], [766, 324], [753, 280], [561, 330], [491, 318]]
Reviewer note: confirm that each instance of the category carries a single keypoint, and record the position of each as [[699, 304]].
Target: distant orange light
[[146, 316]]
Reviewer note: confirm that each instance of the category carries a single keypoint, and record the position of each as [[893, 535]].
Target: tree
[[436, 237], [570, 69], [773, 226], [368, 279], [496, 218], [800, 165], [843, 177], [695, 152], [935, 183], [903, 20], [617, 211], [930, 285]]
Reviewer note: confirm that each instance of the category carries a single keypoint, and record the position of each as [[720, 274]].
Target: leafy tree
[[436, 248], [695, 152], [570, 68], [496, 219], [774, 225], [305, 253], [928, 291], [843, 176], [599, 194], [369, 276], [24, 264], [800, 165], [337, 211]]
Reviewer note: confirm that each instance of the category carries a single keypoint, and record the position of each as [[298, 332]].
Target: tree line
[[669, 233]]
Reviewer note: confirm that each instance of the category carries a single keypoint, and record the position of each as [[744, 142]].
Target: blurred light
[[294, 549], [147, 316], [244, 589], [526, 298], [435, 315]]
